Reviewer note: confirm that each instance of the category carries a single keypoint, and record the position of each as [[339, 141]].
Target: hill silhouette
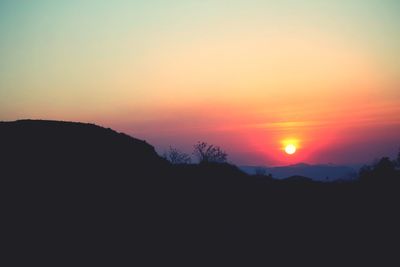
[[73, 187], [64, 148], [320, 172]]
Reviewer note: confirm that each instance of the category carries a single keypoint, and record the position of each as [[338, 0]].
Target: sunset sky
[[248, 75]]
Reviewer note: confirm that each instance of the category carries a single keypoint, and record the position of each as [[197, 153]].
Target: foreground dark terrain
[[72, 189]]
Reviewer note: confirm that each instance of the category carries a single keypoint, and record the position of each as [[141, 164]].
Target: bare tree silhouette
[[209, 153], [175, 156]]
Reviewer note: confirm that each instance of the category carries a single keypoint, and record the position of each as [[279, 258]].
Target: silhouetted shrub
[[398, 159], [385, 165], [175, 156], [383, 170], [209, 153], [365, 170]]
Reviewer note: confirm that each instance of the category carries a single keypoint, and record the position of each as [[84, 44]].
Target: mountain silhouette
[[320, 172], [66, 149]]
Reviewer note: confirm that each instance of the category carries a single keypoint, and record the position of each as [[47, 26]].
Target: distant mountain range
[[320, 172]]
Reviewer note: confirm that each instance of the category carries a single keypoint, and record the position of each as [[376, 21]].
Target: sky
[[247, 75]]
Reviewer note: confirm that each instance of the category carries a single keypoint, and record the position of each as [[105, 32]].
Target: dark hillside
[[73, 188], [66, 149]]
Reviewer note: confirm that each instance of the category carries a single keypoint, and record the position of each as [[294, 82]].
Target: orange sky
[[245, 75]]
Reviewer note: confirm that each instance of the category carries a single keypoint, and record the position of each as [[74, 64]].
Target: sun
[[290, 149], [290, 145]]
